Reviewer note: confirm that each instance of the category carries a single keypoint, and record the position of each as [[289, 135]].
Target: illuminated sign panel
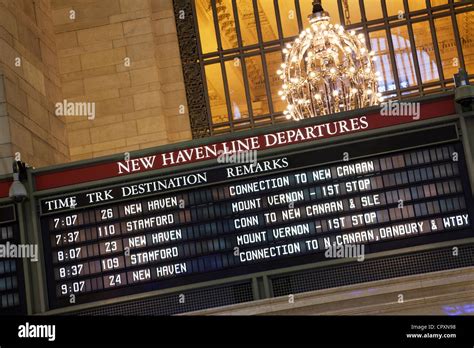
[[114, 236], [223, 221]]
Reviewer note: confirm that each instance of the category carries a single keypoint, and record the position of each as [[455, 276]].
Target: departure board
[[239, 219], [11, 269]]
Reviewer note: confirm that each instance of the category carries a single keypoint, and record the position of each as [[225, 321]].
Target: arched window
[[236, 51]]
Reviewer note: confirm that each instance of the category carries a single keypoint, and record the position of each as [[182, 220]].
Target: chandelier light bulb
[[335, 63]]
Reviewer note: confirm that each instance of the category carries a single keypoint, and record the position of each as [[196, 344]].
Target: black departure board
[[241, 219], [11, 269]]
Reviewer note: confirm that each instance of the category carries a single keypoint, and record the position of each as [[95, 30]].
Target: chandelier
[[327, 70]]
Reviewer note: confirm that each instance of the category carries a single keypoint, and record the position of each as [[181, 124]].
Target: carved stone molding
[[193, 78]]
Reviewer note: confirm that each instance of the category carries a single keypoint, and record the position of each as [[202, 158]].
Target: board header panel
[[312, 131]]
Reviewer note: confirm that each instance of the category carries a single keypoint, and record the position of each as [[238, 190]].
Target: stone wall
[[29, 86], [5, 139], [124, 56]]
